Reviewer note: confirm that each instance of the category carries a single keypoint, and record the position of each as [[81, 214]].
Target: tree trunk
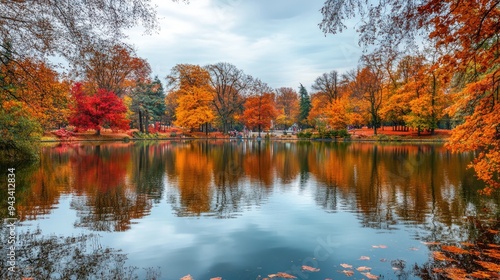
[[146, 123], [140, 122]]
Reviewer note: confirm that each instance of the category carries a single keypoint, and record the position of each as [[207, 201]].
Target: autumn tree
[[305, 104], [229, 84], [260, 110], [113, 67], [43, 93], [367, 86], [466, 35], [328, 85], [98, 110], [287, 105], [191, 83], [317, 114], [260, 106]]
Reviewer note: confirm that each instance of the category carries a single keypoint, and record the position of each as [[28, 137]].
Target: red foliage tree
[[103, 108]]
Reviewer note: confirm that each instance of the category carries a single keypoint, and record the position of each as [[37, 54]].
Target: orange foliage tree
[[465, 35], [43, 95], [260, 110], [194, 95], [287, 104], [113, 68]]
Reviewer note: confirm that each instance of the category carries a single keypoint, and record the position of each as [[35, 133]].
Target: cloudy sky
[[278, 41]]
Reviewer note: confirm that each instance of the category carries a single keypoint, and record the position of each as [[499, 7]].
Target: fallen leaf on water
[[489, 266], [364, 258], [379, 246], [414, 249], [369, 275], [383, 260], [348, 273], [454, 250], [187, 277], [492, 253], [363, 268], [216, 278], [310, 268], [439, 256], [431, 243], [282, 275], [344, 265]]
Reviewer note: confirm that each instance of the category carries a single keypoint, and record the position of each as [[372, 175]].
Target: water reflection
[[116, 183], [316, 189]]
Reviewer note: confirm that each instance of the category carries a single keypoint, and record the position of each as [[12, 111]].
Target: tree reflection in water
[[41, 256], [423, 187]]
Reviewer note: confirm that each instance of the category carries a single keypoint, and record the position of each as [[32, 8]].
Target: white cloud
[[278, 41]]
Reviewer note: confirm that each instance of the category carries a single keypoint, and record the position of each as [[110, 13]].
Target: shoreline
[[364, 140]]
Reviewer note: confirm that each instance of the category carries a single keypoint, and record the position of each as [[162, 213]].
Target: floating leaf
[[348, 273], [383, 260], [379, 246], [310, 268], [483, 275], [439, 256], [187, 277], [364, 258], [414, 248], [369, 275], [363, 268], [344, 265], [282, 275], [216, 278], [431, 243], [492, 253], [489, 266], [455, 273], [454, 250]]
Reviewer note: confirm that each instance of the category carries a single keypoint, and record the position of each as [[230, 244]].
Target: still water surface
[[245, 210]]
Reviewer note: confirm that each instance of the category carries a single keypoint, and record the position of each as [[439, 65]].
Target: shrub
[[304, 135]]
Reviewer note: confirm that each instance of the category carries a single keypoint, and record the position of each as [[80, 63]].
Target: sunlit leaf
[[310, 268], [364, 258], [348, 273], [493, 231], [363, 268], [282, 275], [467, 244], [344, 265], [369, 275]]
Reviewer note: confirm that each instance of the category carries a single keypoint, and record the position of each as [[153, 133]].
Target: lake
[[248, 210]]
